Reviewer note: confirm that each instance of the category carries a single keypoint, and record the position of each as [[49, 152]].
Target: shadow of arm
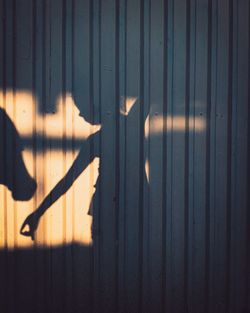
[[83, 159]]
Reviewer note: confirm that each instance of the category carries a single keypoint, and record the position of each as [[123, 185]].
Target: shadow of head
[[61, 99], [13, 172]]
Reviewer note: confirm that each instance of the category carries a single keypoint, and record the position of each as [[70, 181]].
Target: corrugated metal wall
[[155, 95]]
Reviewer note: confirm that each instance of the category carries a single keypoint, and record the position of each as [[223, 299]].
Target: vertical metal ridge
[[141, 155], [64, 62], [125, 154], [145, 203], [208, 140], [4, 122], [4, 261], [125, 151], [73, 92], [72, 86], [100, 217], [44, 96], [63, 95], [229, 156], [33, 5], [212, 170], [91, 98], [14, 56], [13, 141], [117, 149], [164, 156], [96, 95], [121, 202], [34, 86], [248, 172], [125, 221], [186, 162], [149, 206], [169, 160]]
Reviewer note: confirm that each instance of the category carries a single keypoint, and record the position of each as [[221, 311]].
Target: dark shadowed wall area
[[124, 125]]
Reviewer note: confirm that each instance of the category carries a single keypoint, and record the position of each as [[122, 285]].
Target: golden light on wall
[[155, 124], [126, 104], [67, 219]]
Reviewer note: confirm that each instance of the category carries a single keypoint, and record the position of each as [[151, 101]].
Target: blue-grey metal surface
[[168, 81]]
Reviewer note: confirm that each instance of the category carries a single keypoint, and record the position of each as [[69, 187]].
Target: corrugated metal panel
[[155, 95]]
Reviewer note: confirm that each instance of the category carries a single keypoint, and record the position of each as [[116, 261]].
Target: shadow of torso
[[13, 173]]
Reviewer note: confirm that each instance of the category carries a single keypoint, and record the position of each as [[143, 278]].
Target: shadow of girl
[[83, 159]]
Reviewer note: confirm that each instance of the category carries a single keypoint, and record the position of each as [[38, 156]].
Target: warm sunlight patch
[[158, 124], [127, 104], [67, 220]]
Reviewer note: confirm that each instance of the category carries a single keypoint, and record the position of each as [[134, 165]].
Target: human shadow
[[13, 172], [83, 159], [81, 162]]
